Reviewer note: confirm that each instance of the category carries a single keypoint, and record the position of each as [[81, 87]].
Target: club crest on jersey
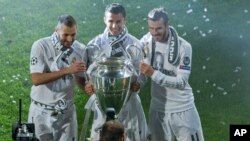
[[33, 60]]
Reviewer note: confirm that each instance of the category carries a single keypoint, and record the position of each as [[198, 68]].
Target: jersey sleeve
[[185, 58], [37, 63]]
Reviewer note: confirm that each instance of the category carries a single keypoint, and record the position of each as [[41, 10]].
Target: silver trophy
[[112, 83], [112, 79]]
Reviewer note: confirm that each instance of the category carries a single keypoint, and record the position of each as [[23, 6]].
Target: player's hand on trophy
[[146, 69], [134, 86], [89, 89], [77, 66]]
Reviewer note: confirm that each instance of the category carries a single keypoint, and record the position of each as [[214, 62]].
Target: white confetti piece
[[189, 11], [204, 67]]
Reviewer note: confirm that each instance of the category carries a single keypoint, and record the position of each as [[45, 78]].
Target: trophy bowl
[[111, 81]]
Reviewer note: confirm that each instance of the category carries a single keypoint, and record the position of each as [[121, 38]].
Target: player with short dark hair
[[113, 42]]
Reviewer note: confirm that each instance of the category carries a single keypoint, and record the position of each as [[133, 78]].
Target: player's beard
[[161, 37], [67, 44]]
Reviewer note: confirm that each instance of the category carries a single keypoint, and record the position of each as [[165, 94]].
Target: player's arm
[[43, 78], [179, 80], [162, 79]]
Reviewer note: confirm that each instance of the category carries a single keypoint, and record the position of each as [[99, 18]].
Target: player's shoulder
[[185, 46], [96, 40], [184, 43], [132, 37], [42, 42], [79, 44], [133, 40]]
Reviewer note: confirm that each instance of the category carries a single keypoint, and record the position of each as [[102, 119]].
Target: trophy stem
[[110, 113]]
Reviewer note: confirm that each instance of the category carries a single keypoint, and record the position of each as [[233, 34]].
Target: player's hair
[[67, 20], [116, 8], [158, 13], [112, 130]]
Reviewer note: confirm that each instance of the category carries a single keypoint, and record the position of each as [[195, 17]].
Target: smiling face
[[114, 23], [66, 34], [158, 30]]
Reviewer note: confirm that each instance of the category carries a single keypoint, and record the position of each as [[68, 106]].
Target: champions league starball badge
[[186, 60], [33, 60]]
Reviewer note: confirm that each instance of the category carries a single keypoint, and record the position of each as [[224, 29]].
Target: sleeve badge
[[33, 60]]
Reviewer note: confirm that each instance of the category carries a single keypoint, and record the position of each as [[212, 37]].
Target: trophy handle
[[134, 52], [95, 51]]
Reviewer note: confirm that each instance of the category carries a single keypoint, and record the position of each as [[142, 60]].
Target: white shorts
[[184, 126], [62, 127]]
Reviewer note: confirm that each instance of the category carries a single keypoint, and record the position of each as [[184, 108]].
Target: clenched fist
[[146, 69], [135, 86], [89, 89]]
